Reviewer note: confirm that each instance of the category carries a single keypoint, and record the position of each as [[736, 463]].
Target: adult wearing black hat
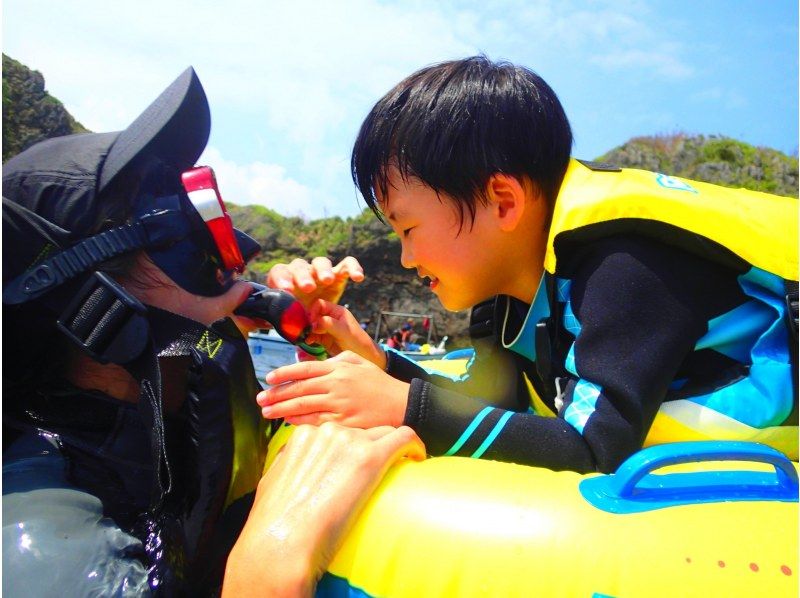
[[132, 442]]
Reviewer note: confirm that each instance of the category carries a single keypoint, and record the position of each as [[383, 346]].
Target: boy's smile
[[466, 263]]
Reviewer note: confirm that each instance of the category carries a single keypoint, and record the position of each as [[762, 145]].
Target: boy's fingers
[[323, 269], [290, 390], [320, 307], [294, 407], [349, 267], [330, 325], [298, 371], [280, 277], [303, 275]]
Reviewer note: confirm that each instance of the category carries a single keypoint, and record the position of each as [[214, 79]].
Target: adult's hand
[[319, 279], [307, 501]]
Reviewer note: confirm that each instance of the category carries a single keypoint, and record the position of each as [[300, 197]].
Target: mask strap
[[106, 321], [151, 229]]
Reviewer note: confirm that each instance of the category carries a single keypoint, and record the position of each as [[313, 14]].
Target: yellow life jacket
[[736, 227], [759, 228]]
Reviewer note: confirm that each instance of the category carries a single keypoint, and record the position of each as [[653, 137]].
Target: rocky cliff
[[30, 114], [714, 159]]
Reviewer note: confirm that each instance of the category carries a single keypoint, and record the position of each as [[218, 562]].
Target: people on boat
[[133, 448], [611, 307], [395, 340]]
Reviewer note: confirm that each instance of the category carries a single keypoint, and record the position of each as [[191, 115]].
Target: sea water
[[270, 351]]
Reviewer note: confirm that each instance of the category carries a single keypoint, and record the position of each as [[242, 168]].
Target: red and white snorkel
[[201, 187]]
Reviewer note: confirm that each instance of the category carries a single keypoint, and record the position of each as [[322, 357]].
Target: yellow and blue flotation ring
[[452, 526]]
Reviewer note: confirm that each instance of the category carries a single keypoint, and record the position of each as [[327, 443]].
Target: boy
[[611, 308]]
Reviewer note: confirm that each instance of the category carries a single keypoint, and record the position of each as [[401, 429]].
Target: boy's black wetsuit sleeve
[[642, 307]]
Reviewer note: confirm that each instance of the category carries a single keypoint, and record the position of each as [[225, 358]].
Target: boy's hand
[[336, 329], [316, 280], [346, 389]]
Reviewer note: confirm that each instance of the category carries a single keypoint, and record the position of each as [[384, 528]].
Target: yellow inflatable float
[[662, 525]]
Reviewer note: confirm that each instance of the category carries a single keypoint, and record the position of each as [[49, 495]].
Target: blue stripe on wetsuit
[[470, 430], [498, 427], [583, 405]]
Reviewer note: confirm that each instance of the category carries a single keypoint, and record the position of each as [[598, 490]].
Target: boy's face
[[463, 263]]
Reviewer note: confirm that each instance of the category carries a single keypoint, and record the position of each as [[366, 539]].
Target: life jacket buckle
[[106, 321], [558, 402]]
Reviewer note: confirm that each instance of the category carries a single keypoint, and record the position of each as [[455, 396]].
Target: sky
[[289, 82]]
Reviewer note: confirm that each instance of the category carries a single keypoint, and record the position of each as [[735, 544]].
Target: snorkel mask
[[208, 257], [188, 235], [56, 192]]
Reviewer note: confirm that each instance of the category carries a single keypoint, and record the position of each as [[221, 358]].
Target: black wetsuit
[[631, 316], [80, 491]]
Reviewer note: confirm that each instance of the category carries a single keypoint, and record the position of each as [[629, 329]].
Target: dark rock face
[[390, 287]]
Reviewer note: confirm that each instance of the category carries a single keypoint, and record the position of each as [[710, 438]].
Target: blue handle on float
[[635, 488]]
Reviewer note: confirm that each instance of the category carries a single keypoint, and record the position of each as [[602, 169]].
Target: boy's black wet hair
[[455, 124]]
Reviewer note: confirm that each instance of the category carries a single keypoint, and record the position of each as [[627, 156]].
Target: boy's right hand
[[346, 389], [336, 329], [319, 279]]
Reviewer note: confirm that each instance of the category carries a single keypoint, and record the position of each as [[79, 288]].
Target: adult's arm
[[305, 504]]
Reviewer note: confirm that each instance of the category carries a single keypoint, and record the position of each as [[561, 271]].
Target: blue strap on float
[[634, 488]]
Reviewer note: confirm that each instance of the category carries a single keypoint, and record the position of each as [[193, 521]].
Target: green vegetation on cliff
[[713, 159], [30, 114]]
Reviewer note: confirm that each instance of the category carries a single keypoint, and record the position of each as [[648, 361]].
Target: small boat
[[427, 351], [429, 348], [269, 350]]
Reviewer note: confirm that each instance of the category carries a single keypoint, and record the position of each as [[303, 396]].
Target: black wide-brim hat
[[58, 186]]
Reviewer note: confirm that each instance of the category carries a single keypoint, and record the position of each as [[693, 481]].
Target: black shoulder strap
[[482, 319]]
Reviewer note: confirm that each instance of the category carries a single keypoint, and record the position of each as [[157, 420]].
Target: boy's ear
[[507, 198]]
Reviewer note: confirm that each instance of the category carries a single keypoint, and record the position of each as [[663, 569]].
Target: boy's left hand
[[346, 389], [317, 279], [336, 329]]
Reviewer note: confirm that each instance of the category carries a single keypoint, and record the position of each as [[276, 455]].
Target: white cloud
[[261, 184], [289, 82], [717, 96], [659, 63]]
